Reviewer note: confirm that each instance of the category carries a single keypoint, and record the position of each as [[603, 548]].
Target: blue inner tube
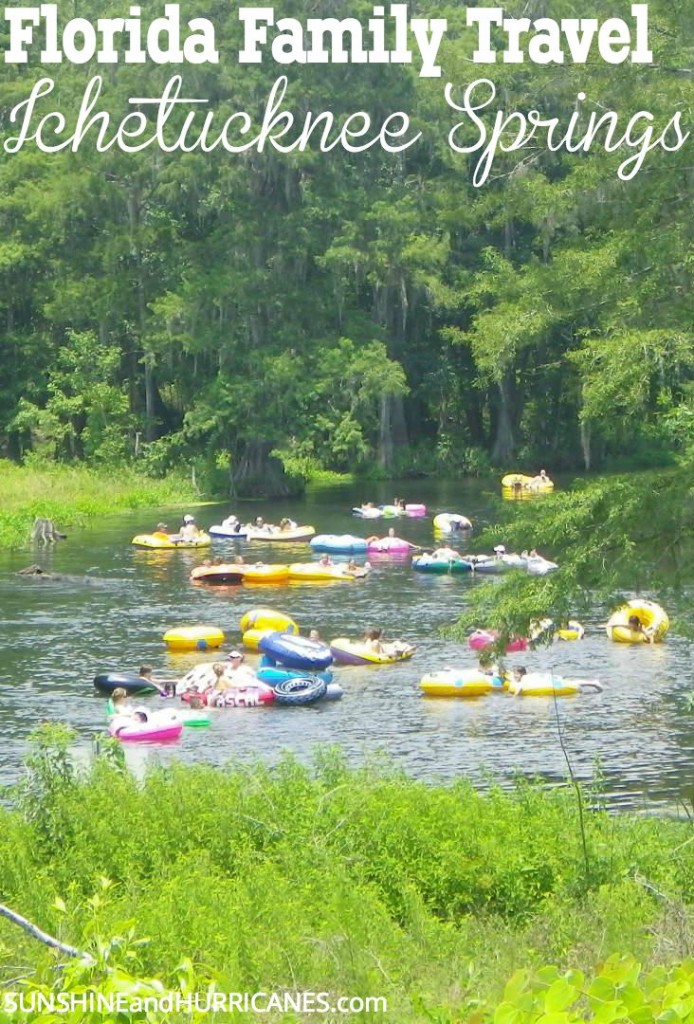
[[295, 651], [341, 544], [107, 682], [300, 690], [274, 674]]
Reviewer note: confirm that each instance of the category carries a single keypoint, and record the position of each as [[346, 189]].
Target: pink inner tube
[[390, 544], [416, 510], [482, 638], [144, 731]]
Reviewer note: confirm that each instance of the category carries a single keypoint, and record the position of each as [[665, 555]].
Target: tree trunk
[[257, 474], [504, 444]]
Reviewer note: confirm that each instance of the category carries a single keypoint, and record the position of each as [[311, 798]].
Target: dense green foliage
[[353, 310], [358, 882]]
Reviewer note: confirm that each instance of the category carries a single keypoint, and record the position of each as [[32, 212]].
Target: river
[[56, 635]]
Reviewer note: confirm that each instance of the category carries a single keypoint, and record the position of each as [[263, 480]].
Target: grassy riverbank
[[70, 495], [357, 882]]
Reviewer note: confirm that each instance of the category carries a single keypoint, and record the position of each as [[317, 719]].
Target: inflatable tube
[[571, 631], [300, 690], [252, 637], [271, 675], [392, 511], [107, 682], [345, 544], [416, 510], [267, 618], [497, 564], [386, 545], [296, 651], [218, 575], [515, 480], [482, 638], [296, 536], [521, 482], [536, 565], [161, 543], [193, 718], [425, 563], [356, 652], [242, 697], [368, 513], [653, 618], [152, 731], [225, 533], [450, 682], [451, 522], [193, 638], [544, 684], [314, 571], [265, 573]]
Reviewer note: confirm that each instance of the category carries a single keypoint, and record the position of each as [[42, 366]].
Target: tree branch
[[42, 936]]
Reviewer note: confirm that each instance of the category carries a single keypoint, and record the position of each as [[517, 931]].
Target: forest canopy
[[370, 310]]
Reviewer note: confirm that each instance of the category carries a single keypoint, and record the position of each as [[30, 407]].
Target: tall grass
[[356, 881], [71, 495]]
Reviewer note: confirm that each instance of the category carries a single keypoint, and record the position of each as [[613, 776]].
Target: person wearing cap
[[236, 673], [162, 531], [189, 530], [500, 551]]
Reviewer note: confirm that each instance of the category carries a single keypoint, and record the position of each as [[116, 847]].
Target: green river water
[[55, 635]]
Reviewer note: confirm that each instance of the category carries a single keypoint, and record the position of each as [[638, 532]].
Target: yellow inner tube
[[266, 574], [193, 638], [360, 650], [252, 637], [653, 618], [162, 542], [316, 571], [542, 684], [512, 479], [267, 618], [452, 683]]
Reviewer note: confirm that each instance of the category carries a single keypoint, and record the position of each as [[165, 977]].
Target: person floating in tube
[[636, 626]]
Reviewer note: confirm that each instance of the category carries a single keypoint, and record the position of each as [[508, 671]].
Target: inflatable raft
[[218, 575], [298, 535], [482, 638], [271, 675], [467, 682], [544, 684], [390, 545], [162, 542], [156, 729], [261, 573], [416, 510], [267, 618], [451, 522], [315, 572], [193, 638], [426, 563], [356, 652], [341, 544], [531, 484], [653, 618], [222, 532], [107, 682], [296, 651]]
